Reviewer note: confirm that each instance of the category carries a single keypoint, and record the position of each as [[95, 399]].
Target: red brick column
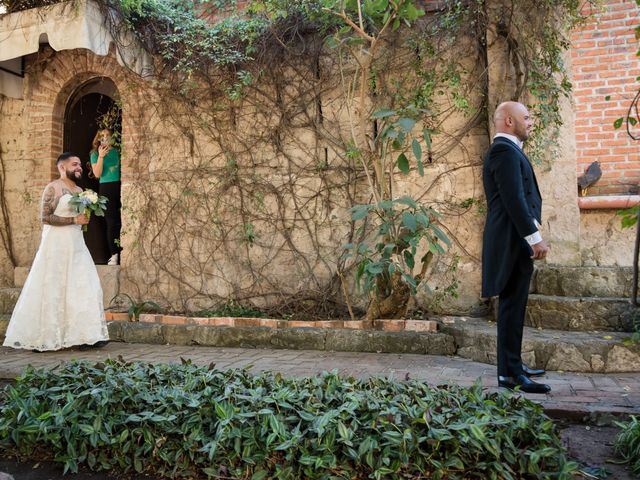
[[604, 63], [53, 87]]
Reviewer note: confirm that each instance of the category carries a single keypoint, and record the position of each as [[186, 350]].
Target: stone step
[[602, 352], [294, 338], [8, 298], [583, 281], [581, 314]]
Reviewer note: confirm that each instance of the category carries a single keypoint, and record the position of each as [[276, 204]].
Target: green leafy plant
[[407, 237], [189, 422], [635, 329], [627, 443], [137, 307]]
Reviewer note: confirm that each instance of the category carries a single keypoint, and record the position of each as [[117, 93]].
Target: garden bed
[[192, 421]]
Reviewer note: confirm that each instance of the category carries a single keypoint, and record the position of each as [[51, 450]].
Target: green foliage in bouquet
[[88, 202]]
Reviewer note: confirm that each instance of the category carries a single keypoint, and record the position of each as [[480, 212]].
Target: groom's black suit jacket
[[513, 202]]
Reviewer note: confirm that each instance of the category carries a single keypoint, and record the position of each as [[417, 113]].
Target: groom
[[511, 240]]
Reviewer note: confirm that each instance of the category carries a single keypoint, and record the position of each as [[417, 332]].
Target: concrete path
[[573, 395]]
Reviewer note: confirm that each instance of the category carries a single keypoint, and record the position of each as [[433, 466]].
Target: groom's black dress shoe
[[532, 372], [525, 384]]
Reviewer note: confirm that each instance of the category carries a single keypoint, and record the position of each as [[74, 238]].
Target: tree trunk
[[393, 305]]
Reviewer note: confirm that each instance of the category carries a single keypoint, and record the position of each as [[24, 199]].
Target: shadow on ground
[[592, 446]]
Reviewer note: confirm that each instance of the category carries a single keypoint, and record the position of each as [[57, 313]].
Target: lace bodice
[[64, 209]]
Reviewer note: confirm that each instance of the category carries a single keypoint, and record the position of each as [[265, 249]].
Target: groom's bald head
[[513, 118]]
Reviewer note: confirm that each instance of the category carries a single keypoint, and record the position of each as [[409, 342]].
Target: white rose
[[92, 196]]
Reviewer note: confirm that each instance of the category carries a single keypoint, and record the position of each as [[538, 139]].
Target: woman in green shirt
[[105, 163]]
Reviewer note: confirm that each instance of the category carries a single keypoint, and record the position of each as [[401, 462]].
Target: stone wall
[[235, 214]]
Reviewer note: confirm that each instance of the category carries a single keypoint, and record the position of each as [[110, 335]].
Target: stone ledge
[[590, 352], [294, 338]]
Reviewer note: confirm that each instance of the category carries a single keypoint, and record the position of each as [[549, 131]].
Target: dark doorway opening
[[85, 109]]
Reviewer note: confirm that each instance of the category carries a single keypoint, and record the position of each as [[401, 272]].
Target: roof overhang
[[64, 26]]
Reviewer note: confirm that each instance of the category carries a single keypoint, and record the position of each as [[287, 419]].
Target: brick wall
[[604, 62]]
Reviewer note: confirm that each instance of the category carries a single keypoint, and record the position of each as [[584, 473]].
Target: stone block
[[206, 335], [421, 326], [584, 281], [115, 331], [568, 358], [255, 337], [578, 314], [135, 332], [597, 364], [298, 338], [622, 359], [177, 334], [353, 340]]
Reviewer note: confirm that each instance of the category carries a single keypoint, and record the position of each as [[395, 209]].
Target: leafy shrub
[[184, 420], [628, 443]]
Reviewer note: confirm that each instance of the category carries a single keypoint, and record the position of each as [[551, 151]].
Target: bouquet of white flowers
[[88, 202]]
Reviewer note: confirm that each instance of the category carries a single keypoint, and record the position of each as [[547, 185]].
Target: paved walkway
[[573, 394]]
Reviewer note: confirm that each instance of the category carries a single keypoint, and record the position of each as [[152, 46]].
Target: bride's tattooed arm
[[49, 204]]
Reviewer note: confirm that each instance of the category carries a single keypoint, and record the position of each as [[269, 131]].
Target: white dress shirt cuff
[[534, 238]]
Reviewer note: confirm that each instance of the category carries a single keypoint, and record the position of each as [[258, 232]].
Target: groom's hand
[[81, 219], [540, 250]]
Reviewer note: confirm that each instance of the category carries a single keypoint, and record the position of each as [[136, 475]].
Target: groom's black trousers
[[511, 313]]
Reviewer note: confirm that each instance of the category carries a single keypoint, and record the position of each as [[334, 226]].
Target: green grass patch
[[190, 421]]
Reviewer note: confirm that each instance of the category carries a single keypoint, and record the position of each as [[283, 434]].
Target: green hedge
[[184, 420], [628, 443]]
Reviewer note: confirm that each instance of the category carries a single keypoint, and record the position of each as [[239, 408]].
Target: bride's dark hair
[[66, 156]]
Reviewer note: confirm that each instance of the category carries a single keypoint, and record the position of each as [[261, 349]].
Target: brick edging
[[392, 325]]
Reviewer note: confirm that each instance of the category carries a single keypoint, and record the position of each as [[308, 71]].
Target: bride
[[61, 302]]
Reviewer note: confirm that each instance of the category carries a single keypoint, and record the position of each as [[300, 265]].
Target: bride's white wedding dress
[[61, 302]]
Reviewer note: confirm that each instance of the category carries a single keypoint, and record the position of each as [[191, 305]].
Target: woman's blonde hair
[[96, 140]]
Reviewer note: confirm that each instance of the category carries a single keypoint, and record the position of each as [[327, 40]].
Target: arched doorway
[[85, 112]]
